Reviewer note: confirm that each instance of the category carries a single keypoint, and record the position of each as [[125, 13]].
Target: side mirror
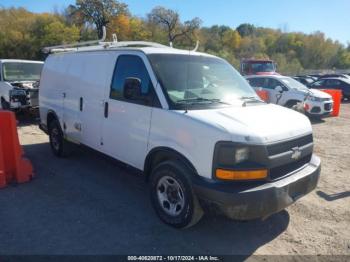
[[132, 88], [279, 89]]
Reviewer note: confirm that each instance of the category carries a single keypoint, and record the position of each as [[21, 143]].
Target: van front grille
[[282, 147], [285, 170]]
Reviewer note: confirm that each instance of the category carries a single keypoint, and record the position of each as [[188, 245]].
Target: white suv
[[188, 120], [290, 93], [19, 83]]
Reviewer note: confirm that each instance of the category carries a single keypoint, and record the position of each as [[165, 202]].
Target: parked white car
[[290, 93], [188, 120], [19, 83]]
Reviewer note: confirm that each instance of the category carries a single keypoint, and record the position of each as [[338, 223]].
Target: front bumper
[[315, 108], [29, 99], [246, 201]]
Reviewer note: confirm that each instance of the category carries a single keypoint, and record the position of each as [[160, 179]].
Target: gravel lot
[[89, 204]]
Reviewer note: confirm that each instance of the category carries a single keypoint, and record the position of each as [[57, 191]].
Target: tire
[[5, 105], [172, 195], [59, 146]]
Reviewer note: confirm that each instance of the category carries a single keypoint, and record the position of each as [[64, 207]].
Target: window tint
[[256, 82], [130, 66], [333, 82], [272, 83]]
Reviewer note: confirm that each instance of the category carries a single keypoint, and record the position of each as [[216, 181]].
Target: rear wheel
[[59, 146], [172, 195]]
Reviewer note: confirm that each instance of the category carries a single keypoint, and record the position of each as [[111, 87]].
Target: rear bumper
[[244, 202]]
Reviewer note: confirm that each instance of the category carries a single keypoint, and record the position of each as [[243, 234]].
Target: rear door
[[94, 84], [333, 84], [319, 84], [126, 123]]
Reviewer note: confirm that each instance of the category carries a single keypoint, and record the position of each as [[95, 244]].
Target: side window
[[130, 66], [273, 83], [256, 82], [333, 83], [318, 83]]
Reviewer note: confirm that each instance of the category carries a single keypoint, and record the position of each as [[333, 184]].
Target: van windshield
[[263, 67], [16, 71], [199, 80]]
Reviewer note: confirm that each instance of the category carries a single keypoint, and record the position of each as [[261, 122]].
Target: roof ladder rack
[[70, 47]]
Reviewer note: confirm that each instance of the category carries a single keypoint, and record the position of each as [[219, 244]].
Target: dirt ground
[[88, 204]]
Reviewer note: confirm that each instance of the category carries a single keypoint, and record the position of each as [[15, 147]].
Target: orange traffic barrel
[[336, 96], [263, 94], [13, 166]]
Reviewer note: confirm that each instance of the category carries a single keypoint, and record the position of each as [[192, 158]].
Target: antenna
[[58, 48]]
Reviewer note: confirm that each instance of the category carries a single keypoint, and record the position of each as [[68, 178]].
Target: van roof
[[147, 50], [20, 61], [269, 76]]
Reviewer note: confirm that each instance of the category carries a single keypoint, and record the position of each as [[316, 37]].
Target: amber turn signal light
[[241, 175]]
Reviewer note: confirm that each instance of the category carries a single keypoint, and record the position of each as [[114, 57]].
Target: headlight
[[314, 98], [230, 155], [234, 161], [241, 154]]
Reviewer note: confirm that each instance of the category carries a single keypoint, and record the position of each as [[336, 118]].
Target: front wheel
[[172, 195], [59, 146]]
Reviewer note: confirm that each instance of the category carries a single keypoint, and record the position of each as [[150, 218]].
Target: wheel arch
[[51, 115], [292, 102], [161, 154]]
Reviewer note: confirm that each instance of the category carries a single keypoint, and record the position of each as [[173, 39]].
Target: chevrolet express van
[[188, 120]]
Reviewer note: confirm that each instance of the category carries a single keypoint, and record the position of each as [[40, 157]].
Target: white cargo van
[[188, 120], [19, 83]]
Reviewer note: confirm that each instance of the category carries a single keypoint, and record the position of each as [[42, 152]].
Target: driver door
[[127, 122]]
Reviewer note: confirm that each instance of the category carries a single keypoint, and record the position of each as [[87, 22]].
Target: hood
[[267, 73], [258, 124], [25, 84], [320, 94]]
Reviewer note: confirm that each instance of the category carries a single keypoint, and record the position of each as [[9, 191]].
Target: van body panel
[[167, 130]]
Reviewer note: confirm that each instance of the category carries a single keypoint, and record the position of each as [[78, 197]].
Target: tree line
[[23, 34]]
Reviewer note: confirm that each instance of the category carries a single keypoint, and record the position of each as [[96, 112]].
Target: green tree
[[98, 12], [169, 20]]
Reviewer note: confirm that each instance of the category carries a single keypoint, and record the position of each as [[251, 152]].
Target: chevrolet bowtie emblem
[[296, 153]]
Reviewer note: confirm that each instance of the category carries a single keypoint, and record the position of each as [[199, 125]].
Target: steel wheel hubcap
[[170, 196]]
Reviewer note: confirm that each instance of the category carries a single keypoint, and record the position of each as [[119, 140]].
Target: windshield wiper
[[201, 100]]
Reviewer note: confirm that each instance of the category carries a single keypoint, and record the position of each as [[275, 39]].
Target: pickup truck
[[19, 83]]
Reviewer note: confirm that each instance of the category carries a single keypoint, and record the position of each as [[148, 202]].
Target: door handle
[[106, 110], [81, 104]]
